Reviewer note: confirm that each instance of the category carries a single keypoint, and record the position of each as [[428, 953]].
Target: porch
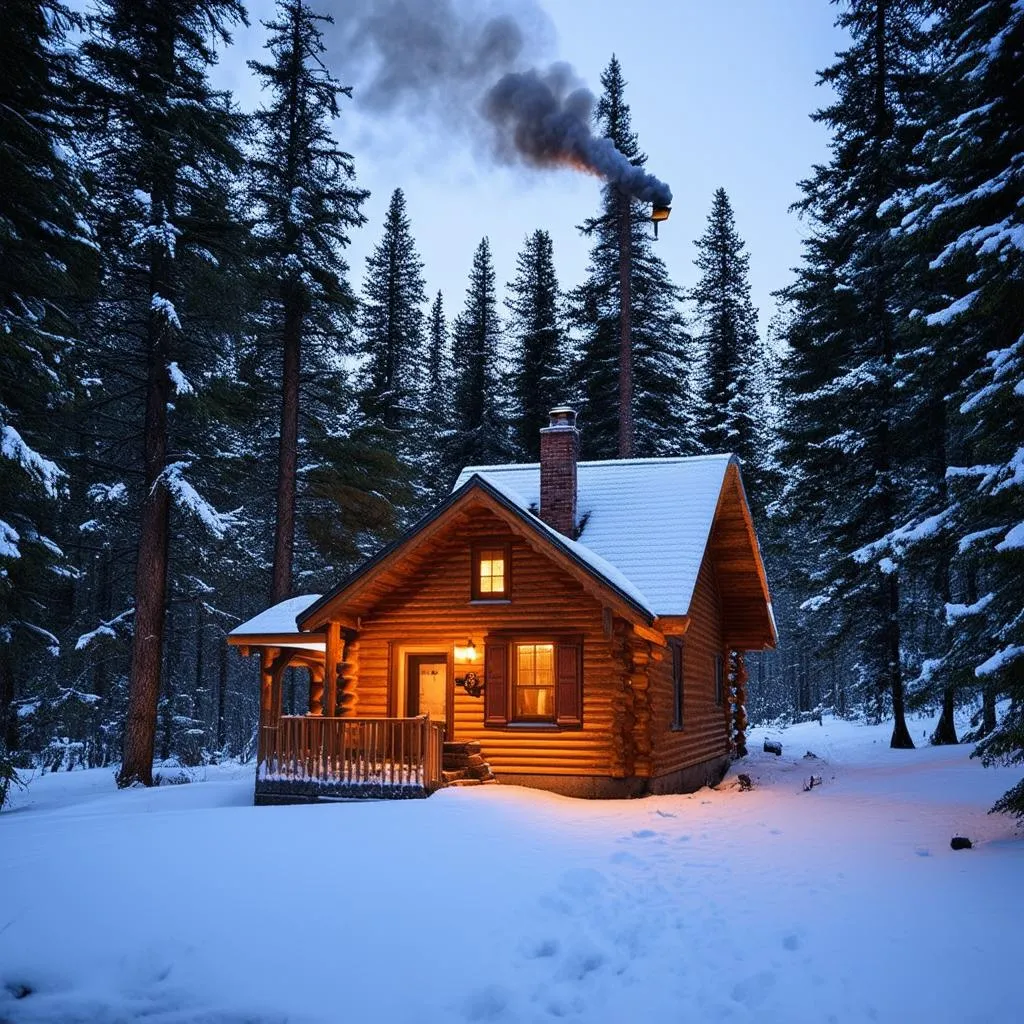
[[308, 757]]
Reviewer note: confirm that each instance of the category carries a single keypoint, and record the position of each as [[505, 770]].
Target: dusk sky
[[720, 93]]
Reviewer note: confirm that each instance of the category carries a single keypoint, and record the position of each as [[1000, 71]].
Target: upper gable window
[[491, 572]]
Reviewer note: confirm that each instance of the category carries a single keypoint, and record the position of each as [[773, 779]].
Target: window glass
[[535, 681], [492, 571]]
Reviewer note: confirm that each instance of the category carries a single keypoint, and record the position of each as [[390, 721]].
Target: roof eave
[[526, 518]]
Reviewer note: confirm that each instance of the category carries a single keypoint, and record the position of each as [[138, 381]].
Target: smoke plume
[[450, 61]]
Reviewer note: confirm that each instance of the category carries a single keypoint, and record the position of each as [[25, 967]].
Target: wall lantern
[[465, 656]]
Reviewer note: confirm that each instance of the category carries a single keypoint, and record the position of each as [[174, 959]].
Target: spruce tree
[[733, 399], [536, 336], [391, 318], [307, 203], [964, 219], [480, 430], [45, 246], [662, 403], [436, 401], [842, 434], [163, 137]]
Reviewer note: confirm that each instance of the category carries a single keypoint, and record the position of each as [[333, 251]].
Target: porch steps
[[463, 764]]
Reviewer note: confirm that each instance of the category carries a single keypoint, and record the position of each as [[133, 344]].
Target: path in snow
[[843, 904]]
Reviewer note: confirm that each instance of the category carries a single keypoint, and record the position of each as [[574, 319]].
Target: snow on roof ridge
[[597, 562], [657, 459]]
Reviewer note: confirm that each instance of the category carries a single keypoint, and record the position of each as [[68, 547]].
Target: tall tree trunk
[[945, 731], [8, 718], [287, 460], [222, 686], [625, 330], [900, 733], [988, 711], [150, 573]]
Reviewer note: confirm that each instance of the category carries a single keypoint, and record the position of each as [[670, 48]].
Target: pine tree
[[732, 406], [536, 334], [391, 318], [842, 436], [480, 428], [965, 221], [44, 249], [167, 137], [302, 183], [662, 413], [436, 401]]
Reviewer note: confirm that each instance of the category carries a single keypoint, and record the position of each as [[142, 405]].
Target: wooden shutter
[[569, 684], [495, 684]]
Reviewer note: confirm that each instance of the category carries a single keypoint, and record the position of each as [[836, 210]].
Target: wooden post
[[347, 678], [316, 690], [727, 698], [741, 705], [332, 668], [625, 331]]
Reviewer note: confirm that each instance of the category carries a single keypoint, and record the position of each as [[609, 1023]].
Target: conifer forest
[[206, 406]]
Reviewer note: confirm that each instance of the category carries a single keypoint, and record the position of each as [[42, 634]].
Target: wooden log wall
[[435, 610], [704, 735]]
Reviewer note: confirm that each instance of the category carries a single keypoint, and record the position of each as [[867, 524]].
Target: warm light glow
[[465, 654], [660, 213], [492, 571], [535, 680]]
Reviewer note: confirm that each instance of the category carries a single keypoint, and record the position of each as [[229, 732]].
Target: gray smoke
[[468, 68]]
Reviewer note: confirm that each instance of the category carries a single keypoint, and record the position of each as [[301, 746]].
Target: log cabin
[[575, 626]]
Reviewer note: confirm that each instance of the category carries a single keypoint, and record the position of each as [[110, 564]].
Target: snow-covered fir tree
[[965, 220], [162, 137], [436, 403], [392, 324], [536, 336], [732, 409], [45, 259], [842, 442], [307, 203], [480, 433]]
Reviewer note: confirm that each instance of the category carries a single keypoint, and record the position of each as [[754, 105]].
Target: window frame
[[562, 719], [514, 717], [678, 650], [477, 596]]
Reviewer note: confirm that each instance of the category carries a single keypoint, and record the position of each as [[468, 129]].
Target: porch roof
[[276, 626]]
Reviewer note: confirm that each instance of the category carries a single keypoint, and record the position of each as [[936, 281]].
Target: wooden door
[[427, 686]]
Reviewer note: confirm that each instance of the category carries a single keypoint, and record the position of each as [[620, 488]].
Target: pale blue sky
[[720, 95]]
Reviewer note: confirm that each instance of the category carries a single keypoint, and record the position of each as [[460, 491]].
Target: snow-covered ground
[[845, 903]]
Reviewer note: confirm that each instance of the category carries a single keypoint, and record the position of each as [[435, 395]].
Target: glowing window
[[491, 575], [535, 682]]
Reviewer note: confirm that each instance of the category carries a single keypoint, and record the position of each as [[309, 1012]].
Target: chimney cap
[[562, 417]]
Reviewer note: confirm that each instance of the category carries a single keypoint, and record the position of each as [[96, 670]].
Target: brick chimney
[[559, 450]]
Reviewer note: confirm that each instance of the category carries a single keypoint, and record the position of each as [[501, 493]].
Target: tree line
[[204, 409]]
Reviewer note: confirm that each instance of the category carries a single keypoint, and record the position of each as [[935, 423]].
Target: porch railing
[[307, 754]]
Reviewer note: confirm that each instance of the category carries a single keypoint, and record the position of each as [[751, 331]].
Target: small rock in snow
[[960, 843]]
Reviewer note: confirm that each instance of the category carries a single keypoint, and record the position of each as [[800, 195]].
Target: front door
[[428, 686]]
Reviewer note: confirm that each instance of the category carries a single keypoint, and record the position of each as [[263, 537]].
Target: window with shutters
[[533, 681], [491, 565], [676, 647]]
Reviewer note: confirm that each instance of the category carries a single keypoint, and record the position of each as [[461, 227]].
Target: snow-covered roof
[[646, 521], [278, 618]]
